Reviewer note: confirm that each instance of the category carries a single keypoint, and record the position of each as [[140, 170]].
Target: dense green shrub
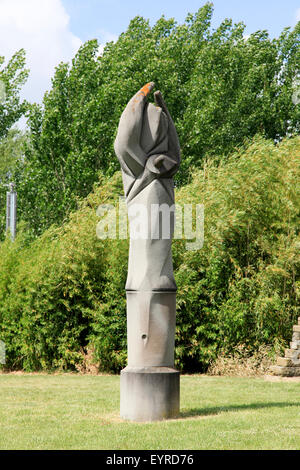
[[62, 295], [243, 286], [51, 289]]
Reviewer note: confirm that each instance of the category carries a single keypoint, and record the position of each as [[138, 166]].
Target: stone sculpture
[[148, 150]]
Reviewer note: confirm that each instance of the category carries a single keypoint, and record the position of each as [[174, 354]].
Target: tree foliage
[[62, 295], [221, 89], [11, 153], [12, 78]]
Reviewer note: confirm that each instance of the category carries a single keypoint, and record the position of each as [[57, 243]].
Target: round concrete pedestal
[[149, 393]]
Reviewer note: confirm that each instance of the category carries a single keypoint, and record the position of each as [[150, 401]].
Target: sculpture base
[[149, 393]]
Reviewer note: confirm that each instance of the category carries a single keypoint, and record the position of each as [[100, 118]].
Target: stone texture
[[149, 394], [296, 336], [284, 361], [292, 353], [151, 328], [286, 371], [289, 366], [148, 150]]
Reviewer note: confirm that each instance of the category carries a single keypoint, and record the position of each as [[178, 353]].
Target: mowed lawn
[[82, 412]]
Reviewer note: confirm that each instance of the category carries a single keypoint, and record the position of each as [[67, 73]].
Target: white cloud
[[104, 37], [41, 27], [297, 16]]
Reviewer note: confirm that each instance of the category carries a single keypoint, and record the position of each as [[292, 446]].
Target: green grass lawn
[[82, 412]]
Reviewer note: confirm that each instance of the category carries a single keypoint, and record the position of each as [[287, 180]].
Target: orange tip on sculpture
[[146, 89]]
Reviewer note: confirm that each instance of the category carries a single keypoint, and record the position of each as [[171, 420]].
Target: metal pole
[[11, 211]]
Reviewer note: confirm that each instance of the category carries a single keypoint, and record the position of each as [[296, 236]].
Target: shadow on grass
[[202, 412]]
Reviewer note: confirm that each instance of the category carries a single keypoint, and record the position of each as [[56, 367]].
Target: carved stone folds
[[148, 150]]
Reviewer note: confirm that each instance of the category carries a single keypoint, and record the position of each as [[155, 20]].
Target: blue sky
[[102, 18], [51, 31]]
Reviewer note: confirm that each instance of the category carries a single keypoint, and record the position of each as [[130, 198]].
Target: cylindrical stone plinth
[[150, 384], [149, 393]]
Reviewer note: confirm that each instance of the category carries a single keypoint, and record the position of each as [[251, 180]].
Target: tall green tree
[[11, 154], [12, 107], [221, 89], [241, 87], [12, 78]]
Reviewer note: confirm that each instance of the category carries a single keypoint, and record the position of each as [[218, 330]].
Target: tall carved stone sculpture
[[148, 150]]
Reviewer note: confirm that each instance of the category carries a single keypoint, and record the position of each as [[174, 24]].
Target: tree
[[11, 151], [11, 154], [12, 77], [221, 89], [241, 87]]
